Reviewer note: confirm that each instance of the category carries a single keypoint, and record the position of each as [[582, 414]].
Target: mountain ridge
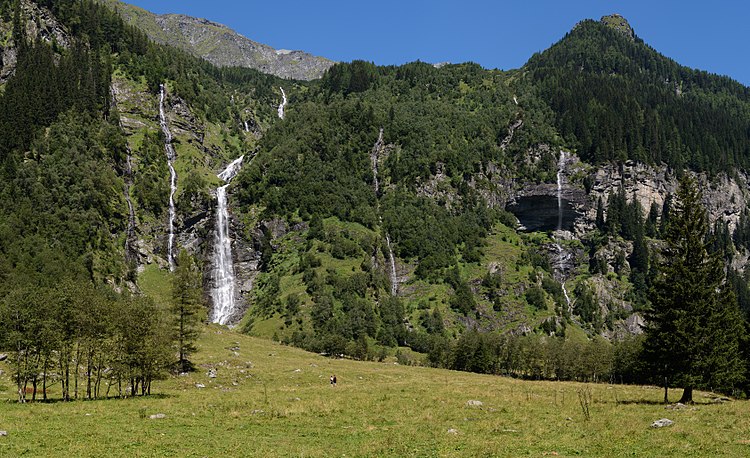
[[221, 45]]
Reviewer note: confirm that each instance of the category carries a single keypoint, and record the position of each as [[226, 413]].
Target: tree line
[[84, 341]]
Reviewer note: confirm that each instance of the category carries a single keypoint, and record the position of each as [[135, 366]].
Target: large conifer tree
[[694, 324], [187, 307]]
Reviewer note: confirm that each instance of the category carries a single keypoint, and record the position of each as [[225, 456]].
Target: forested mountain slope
[[372, 214], [616, 98]]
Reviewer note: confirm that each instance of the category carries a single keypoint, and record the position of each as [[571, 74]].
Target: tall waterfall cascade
[[223, 266], [561, 255], [282, 105], [172, 175], [374, 156]]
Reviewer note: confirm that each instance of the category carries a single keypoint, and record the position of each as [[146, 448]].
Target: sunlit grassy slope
[[272, 400]]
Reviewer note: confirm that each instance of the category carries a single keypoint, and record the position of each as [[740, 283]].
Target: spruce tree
[[694, 325], [187, 307]]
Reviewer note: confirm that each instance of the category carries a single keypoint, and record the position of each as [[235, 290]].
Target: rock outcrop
[[41, 24]]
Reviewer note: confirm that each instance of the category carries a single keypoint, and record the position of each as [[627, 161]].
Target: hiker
[[334, 380]]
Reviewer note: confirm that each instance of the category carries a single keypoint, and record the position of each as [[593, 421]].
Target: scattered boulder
[[662, 423], [212, 373], [200, 385], [678, 406], [474, 403], [3, 356], [452, 431], [157, 416], [3, 433]]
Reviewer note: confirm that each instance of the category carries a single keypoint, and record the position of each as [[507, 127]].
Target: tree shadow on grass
[[644, 402], [99, 399]]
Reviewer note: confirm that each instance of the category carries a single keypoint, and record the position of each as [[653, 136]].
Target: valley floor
[[272, 400]]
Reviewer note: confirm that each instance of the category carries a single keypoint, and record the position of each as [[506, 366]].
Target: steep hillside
[[221, 45], [616, 98]]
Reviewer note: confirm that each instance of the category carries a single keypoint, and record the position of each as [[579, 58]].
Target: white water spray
[[223, 265], [282, 105], [172, 175], [560, 252], [394, 277]]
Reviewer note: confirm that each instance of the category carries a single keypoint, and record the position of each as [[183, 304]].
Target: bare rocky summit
[[221, 45]]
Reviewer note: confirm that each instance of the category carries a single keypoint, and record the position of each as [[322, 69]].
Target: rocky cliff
[[40, 23]]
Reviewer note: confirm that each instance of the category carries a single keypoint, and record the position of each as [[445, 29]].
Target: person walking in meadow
[[334, 380]]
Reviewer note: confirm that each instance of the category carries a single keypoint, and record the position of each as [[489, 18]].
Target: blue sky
[[712, 36]]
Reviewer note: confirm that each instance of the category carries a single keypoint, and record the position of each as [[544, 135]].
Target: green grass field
[[272, 400]]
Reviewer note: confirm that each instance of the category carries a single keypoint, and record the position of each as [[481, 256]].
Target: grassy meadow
[[272, 400]]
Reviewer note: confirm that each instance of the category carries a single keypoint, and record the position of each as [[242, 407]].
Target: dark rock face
[[41, 24], [541, 213]]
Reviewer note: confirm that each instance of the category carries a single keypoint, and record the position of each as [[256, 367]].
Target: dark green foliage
[[587, 306], [188, 309], [618, 99], [64, 329], [652, 227], [357, 76], [554, 289], [476, 352], [69, 193], [151, 189], [392, 330], [450, 120], [694, 324], [536, 298], [432, 322], [463, 299]]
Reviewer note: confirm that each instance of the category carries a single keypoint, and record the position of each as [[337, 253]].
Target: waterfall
[[394, 278], [247, 129], [131, 254], [282, 105], [172, 176], [560, 167], [560, 251], [223, 265], [374, 160], [374, 156]]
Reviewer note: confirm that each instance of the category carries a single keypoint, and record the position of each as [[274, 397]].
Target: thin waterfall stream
[[282, 105], [560, 251], [172, 175], [223, 291], [374, 156]]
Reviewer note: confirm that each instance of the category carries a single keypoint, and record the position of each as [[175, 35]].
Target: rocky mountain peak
[[619, 23]]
